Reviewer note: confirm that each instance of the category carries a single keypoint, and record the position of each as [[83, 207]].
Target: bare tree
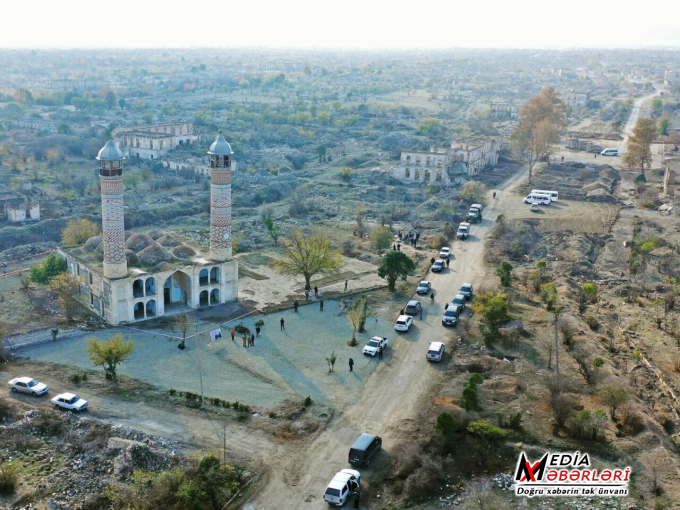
[[549, 346]]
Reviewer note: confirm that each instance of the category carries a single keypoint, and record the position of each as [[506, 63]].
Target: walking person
[[432, 298], [346, 284], [252, 340], [321, 305], [295, 305], [316, 291], [562, 159], [245, 340], [446, 306], [448, 261], [398, 246], [283, 324], [4, 269], [233, 334], [375, 324], [257, 330], [380, 351], [351, 365], [421, 314]]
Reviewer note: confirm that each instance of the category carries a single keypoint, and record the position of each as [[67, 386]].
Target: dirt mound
[[169, 241], [137, 242], [154, 254], [92, 243], [183, 252], [154, 234]]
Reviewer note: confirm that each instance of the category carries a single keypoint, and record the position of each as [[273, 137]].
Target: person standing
[[357, 497], [233, 334], [448, 261], [421, 314], [316, 291], [562, 159], [494, 194], [321, 305], [252, 340], [4, 268], [295, 305], [432, 298], [245, 340], [351, 365], [346, 284], [398, 246], [257, 330], [283, 324], [380, 352]]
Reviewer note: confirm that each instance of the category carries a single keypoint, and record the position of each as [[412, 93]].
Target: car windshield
[[457, 300], [32, 383], [450, 313], [73, 399], [422, 286], [466, 288], [432, 352], [372, 343], [401, 323], [333, 492]]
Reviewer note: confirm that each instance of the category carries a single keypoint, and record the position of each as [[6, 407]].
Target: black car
[[451, 316], [413, 307], [466, 290], [438, 266], [363, 450]]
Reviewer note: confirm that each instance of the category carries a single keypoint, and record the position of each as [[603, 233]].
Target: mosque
[[129, 277]]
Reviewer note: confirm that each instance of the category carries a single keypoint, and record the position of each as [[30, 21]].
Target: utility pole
[[557, 312], [200, 369]]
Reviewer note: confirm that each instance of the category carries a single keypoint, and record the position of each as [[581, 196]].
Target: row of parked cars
[[69, 401]]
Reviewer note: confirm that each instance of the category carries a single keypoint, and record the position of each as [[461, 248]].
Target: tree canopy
[[79, 231], [308, 254], [48, 269], [640, 145], [393, 265], [110, 353]]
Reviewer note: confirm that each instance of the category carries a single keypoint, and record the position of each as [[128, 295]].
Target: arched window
[[139, 311], [417, 176], [203, 298], [427, 161], [151, 308], [417, 160], [215, 297], [427, 176], [203, 277], [150, 286], [438, 176], [407, 174], [215, 275], [138, 288]]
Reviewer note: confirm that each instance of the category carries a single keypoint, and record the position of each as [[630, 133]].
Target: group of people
[[411, 238]]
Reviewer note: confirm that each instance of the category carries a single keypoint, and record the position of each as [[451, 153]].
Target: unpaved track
[[395, 396]]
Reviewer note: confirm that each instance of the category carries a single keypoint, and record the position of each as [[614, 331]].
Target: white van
[[554, 195], [610, 152], [537, 199]]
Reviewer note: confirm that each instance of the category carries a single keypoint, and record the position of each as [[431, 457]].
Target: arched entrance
[[177, 291], [215, 275], [203, 299], [215, 297], [151, 308], [203, 277], [139, 311]]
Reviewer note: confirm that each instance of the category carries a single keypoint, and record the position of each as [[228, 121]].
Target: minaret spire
[[220, 199]]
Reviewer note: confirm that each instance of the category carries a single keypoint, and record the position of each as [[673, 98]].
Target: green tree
[[445, 424], [381, 238], [613, 395], [321, 152], [429, 127], [147, 118], [549, 295], [273, 229], [345, 173], [79, 231], [308, 254], [110, 353], [355, 315], [111, 99], [504, 272], [493, 308], [486, 435], [393, 265], [48, 269], [587, 293], [657, 107], [640, 145], [663, 125], [469, 400]]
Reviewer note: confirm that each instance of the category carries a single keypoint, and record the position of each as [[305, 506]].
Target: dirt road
[[396, 393]]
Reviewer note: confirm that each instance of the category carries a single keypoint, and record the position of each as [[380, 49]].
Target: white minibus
[[554, 195]]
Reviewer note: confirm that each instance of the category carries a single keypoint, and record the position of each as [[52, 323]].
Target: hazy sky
[[340, 24]]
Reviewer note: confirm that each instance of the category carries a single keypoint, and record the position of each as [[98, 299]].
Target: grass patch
[[259, 259], [243, 272]]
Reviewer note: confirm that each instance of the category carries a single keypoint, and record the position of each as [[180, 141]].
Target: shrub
[[49, 423], [591, 321], [632, 422], [308, 401], [589, 425], [9, 476], [470, 398], [562, 406], [445, 424], [272, 415], [172, 392], [549, 295]]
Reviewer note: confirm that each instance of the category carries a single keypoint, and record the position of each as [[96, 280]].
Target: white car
[[445, 252], [343, 484], [463, 231], [435, 352], [70, 401], [404, 322], [374, 344], [424, 287], [28, 385]]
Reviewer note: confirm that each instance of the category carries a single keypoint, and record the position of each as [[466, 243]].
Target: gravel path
[[282, 363]]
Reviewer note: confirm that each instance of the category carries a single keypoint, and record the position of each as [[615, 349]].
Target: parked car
[[403, 323], [474, 214], [445, 252], [459, 302], [435, 352], [610, 152], [466, 291], [534, 207], [437, 266], [413, 307], [463, 231], [28, 385], [374, 344], [70, 401], [424, 287], [363, 450], [451, 316], [344, 483]]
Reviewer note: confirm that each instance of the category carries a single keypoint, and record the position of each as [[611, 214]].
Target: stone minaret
[[220, 199], [113, 228]]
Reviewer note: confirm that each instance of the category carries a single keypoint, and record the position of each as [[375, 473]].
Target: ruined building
[[132, 277], [153, 141]]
